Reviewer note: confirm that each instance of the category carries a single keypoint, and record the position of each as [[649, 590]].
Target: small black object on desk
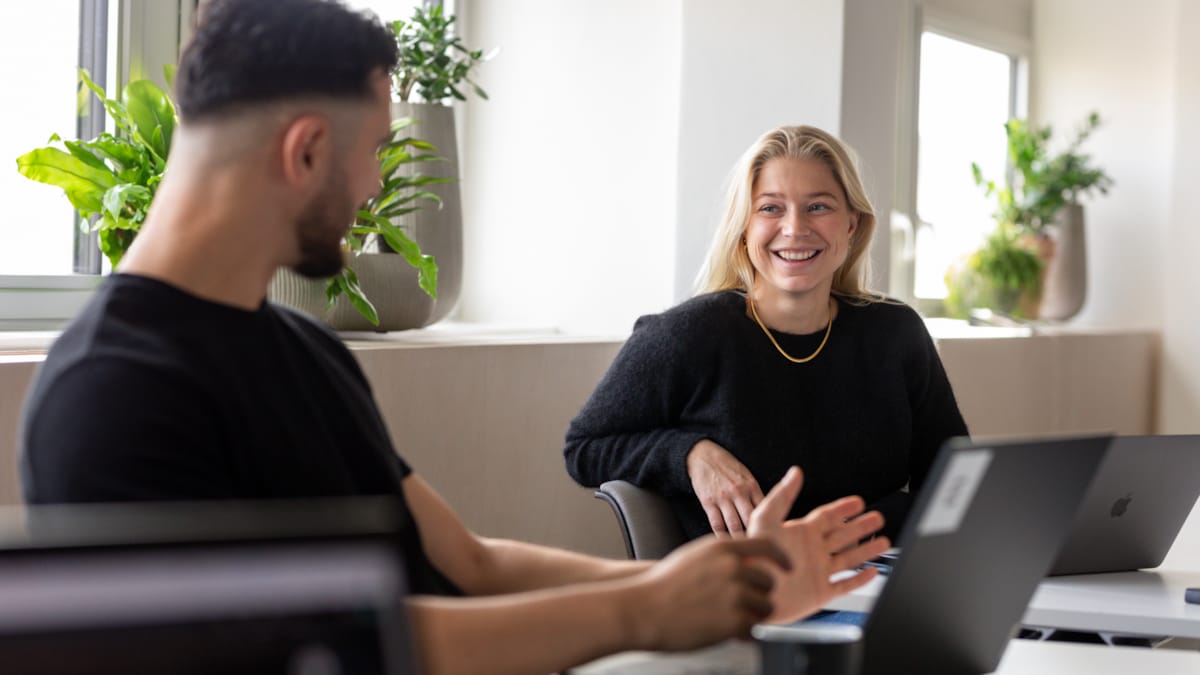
[[1192, 595]]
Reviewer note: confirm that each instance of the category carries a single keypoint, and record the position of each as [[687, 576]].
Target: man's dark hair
[[261, 51]]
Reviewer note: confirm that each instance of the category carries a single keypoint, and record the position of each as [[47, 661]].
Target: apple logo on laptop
[[1119, 506]]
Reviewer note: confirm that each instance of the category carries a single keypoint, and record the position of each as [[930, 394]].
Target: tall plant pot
[[1065, 286], [437, 231]]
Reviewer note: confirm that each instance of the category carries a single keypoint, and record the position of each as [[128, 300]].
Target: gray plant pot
[[386, 278], [1065, 286]]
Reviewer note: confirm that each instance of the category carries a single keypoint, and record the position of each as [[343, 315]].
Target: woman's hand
[[819, 545], [725, 487]]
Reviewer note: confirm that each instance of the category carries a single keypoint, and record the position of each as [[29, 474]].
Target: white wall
[[569, 182], [1180, 400], [747, 67], [592, 178], [1118, 59]]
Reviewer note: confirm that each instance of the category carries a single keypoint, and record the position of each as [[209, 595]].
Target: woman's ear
[[853, 224], [306, 150]]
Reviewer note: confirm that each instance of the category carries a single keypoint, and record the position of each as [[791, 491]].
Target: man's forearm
[[538, 632], [513, 566]]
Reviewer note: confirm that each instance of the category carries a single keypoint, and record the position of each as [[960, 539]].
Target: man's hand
[[820, 544], [725, 487], [709, 590]]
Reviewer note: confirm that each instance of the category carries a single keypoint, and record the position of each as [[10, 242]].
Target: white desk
[[1140, 603], [1023, 657]]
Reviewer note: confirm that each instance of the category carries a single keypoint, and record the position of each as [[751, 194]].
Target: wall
[[592, 178], [1181, 365], [1120, 61], [747, 67], [569, 170]]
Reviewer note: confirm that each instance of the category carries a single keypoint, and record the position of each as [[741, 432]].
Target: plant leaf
[[83, 183]]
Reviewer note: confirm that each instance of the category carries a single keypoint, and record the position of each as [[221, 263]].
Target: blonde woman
[[783, 357]]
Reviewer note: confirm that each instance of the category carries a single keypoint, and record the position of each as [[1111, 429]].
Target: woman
[[784, 357]]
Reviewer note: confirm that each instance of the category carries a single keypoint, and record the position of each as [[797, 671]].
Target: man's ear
[[306, 149]]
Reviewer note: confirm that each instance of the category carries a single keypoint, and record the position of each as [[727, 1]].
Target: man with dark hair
[[179, 381]]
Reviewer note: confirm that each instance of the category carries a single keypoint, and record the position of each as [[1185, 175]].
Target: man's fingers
[[756, 577], [858, 555], [758, 547], [775, 506], [758, 604], [848, 533], [850, 583], [831, 515]]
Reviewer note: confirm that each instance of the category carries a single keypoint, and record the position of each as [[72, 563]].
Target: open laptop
[[1136, 506], [272, 587], [981, 535]]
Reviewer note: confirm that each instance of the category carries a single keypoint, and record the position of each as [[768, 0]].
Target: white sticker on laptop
[[955, 492]]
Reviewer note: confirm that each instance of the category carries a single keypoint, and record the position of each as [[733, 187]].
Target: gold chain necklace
[[789, 357]]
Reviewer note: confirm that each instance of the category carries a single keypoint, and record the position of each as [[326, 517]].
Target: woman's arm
[[629, 428]]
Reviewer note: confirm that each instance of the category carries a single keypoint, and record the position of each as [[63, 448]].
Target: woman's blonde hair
[[728, 264]]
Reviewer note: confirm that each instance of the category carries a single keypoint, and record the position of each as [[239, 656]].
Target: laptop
[[1136, 506], [981, 535], [220, 587]]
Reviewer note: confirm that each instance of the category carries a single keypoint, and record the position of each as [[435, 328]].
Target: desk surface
[[1148, 602], [1023, 657]]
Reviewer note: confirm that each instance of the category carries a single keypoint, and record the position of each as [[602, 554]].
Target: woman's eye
[[768, 208], [818, 207]]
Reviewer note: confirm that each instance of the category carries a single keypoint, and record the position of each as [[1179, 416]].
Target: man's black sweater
[[866, 417]]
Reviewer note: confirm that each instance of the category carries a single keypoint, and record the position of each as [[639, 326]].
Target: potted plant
[[1043, 206], [111, 180], [1003, 275], [378, 292], [434, 70]]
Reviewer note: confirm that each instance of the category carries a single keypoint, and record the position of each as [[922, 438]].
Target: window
[[967, 88], [47, 266], [39, 54]]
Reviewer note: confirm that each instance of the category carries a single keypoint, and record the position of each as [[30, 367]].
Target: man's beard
[[320, 229]]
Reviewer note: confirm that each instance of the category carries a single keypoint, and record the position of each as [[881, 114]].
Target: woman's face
[[800, 227]]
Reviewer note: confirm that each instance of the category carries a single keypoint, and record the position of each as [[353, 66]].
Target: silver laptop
[[1138, 502]]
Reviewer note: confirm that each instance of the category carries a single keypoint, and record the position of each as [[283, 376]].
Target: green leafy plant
[[399, 193], [1045, 183], [998, 275], [433, 61], [111, 179]]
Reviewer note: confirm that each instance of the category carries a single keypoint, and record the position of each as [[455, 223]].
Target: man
[[178, 380]]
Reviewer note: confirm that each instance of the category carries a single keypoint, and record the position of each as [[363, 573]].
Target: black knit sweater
[[866, 417]]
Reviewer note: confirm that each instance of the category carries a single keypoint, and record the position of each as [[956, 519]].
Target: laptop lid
[[982, 533], [1136, 506], [271, 587]]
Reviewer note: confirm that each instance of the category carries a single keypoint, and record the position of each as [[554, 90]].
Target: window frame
[[148, 32], [929, 19]]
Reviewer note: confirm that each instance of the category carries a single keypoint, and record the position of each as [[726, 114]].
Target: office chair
[[647, 523]]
